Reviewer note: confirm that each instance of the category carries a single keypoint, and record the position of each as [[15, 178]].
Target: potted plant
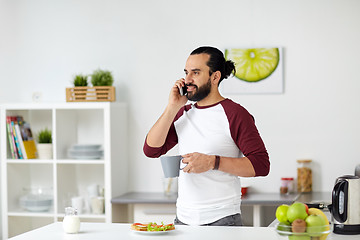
[[102, 78], [80, 80], [102, 81], [44, 146], [101, 90]]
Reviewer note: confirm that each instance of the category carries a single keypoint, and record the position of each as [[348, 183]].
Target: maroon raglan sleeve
[[170, 142], [155, 152], [247, 137]]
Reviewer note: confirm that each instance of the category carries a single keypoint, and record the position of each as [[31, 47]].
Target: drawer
[[154, 213]]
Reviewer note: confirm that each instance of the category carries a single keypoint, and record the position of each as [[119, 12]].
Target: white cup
[[93, 190], [78, 203], [170, 186], [97, 205]]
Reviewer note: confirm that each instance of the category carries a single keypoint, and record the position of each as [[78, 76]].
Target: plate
[[85, 157], [152, 232], [86, 146], [36, 203], [85, 154]]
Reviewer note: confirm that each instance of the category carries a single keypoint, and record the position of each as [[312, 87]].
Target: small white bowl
[[36, 203]]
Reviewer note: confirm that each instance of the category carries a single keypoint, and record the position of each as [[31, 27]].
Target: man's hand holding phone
[[177, 96], [181, 86]]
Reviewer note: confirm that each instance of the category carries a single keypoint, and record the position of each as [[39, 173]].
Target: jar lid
[[304, 161], [287, 178]]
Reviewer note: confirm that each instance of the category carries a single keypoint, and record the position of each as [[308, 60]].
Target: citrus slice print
[[253, 64]]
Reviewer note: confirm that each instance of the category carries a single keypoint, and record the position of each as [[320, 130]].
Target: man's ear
[[216, 77]]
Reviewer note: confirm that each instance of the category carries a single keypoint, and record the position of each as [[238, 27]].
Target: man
[[217, 138]]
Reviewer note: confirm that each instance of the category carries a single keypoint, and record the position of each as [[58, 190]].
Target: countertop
[[255, 200], [110, 231], [144, 197], [248, 199]]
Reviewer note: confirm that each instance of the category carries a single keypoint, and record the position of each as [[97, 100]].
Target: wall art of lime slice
[[253, 64]]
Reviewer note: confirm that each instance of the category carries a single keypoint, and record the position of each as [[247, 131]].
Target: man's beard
[[200, 93]]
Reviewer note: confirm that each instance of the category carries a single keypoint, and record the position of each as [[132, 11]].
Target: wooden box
[[91, 94]]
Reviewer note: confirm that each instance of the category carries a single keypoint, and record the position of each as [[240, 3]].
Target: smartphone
[[183, 90]]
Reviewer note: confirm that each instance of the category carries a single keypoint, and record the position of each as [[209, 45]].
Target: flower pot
[[91, 94], [45, 150]]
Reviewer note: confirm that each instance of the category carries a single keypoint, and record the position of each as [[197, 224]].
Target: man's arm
[[157, 135], [198, 162], [241, 167]]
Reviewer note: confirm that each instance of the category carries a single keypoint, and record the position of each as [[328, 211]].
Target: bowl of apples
[[298, 222]]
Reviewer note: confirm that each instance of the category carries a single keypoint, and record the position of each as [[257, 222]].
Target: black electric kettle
[[345, 207]]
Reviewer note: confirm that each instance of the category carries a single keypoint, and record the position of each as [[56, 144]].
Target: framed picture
[[258, 70]]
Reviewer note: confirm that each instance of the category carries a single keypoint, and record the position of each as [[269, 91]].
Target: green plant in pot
[[44, 146], [102, 78], [80, 80]]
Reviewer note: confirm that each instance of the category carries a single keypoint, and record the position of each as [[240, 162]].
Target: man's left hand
[[198, 162]]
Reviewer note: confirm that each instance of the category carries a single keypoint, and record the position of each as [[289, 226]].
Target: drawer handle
[[160, 211]]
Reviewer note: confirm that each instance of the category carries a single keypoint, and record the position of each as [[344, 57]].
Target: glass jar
[[287, 185], [304, 176], [170, 186], [71, 222]]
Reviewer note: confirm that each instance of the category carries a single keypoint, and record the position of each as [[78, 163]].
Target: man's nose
[[188, 79]]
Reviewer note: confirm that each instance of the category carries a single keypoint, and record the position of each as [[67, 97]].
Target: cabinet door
[[19, 225], [154, 213]]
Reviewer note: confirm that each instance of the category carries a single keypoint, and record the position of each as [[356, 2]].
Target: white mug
[[78, 203], [93, 190], [97, 205]]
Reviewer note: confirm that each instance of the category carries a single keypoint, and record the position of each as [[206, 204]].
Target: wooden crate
[[91, 94]]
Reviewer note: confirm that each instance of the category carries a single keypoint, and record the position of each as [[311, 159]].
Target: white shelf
[[71, 123], [29, 161], [23, 213], [83, 161], [87, 216]]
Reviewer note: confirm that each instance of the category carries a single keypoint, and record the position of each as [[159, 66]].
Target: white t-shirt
[[220, 129], [209, 196]]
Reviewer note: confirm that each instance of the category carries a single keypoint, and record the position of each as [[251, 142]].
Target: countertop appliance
[[357, 170], [345, 207]]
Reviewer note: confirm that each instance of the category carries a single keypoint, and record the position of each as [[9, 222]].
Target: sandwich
[[152, 227]]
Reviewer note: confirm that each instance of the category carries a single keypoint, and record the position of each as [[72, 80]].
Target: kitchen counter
[[109, 231], [160, 198], [255, 200], [315, 197], [144, 197]]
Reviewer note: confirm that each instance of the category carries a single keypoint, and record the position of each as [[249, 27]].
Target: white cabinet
[[70, 123], [154, 213]]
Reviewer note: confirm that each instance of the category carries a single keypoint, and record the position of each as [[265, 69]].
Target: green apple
[[297, 210], [315, 225], [281, 213]]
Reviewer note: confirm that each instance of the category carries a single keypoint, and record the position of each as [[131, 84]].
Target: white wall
[[145, 44]]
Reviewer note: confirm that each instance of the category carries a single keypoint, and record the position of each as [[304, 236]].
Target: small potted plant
[[44, 146], [80, 80], [101, 90], [102, 78]]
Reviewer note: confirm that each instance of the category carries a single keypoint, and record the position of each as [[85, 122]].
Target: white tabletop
[[109, 231]]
